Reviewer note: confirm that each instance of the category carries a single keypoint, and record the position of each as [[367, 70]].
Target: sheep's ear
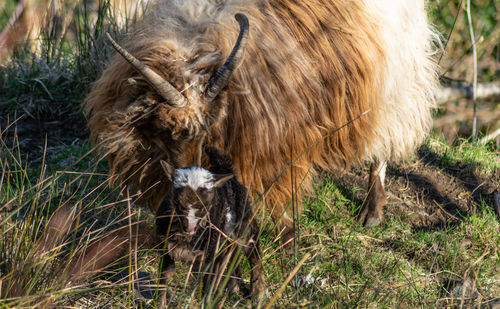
[[221, 179], [168, 169]]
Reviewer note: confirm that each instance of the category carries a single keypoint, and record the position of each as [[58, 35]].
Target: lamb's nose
[[192, 222]]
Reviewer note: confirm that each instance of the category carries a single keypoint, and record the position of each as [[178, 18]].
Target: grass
[[28, 197], [344, 264], [392, 265], [50, 83], [484, 157]]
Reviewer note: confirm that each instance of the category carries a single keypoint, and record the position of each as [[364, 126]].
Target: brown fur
[[372, 213], [310, 67]]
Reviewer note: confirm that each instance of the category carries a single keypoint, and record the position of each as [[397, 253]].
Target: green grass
[[449, 18], [46, 91], [29, 195], [484, 158], [50, 83], [392, 265]]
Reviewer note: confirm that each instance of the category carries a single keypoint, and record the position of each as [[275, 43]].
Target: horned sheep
[[324, 85]]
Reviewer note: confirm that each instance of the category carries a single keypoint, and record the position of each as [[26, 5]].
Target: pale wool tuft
[[194, 177], [192, 219], [230, 222]]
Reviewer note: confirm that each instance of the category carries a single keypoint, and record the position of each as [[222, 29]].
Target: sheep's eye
[[202, 190]]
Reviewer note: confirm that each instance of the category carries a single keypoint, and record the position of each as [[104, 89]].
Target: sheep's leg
[[284, 225], [100, 253], [372, 213], [215, 272], [214, 268], [212, 277], [233, 285], [167, 273], [254, 256], [286, 193]]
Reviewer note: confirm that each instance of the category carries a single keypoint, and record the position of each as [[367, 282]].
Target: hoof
[[370, 217], [258, 300], [373, 213], [166, 299], [287, 239]]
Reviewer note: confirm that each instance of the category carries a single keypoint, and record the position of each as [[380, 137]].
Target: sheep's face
[[192, 101], [193, 194]]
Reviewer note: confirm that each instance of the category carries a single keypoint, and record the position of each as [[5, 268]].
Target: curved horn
[[220, 78], [164, 88]]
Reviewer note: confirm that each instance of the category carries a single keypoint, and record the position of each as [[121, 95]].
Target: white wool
[[192, 219], [229, 226], [407, 78], [193, 177]]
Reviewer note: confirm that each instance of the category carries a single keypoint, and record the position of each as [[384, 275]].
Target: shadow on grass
[[437, 193], [480, 189]]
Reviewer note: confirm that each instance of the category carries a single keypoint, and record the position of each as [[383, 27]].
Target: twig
[[474, 83], [483, 91], [496, 196], [489, 137], [288, 279], [451, 31]]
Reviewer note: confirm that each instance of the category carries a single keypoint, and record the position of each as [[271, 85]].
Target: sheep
[[325, 85], [201, 219]]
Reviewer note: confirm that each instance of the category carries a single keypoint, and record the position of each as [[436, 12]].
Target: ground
[[438, 244], [431, 192], [428, 192]]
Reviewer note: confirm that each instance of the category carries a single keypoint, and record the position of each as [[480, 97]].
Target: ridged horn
[[220, 78], [164, 88]]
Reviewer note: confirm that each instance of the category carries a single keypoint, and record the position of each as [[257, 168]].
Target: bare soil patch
[[429, 193], [33, 134]]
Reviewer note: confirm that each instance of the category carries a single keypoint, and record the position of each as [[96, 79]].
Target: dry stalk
[[474, 83], [288, 279]]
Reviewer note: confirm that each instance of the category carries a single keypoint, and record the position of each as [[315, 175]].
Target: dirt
[[32, 134], [428, 194]]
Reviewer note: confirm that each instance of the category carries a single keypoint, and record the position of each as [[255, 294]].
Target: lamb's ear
[[199, 150], [168, 169], [221, 179]]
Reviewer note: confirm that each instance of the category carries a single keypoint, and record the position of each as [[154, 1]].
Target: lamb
[[201, 218]]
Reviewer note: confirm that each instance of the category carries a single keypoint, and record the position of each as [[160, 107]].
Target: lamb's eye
[[182, 210], [203, 192]]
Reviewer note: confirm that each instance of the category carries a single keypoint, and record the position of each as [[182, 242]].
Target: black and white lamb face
[[193, 194]]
